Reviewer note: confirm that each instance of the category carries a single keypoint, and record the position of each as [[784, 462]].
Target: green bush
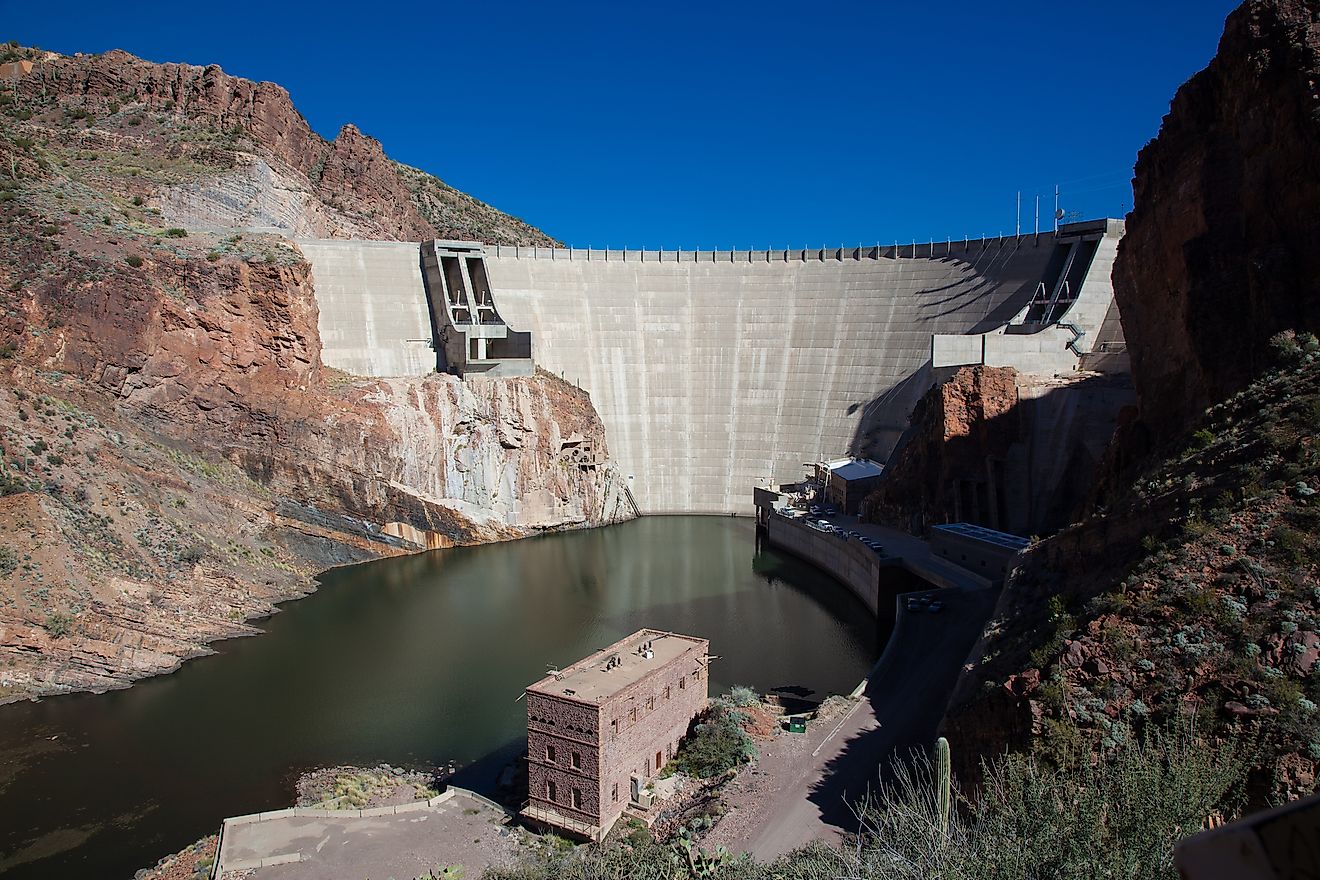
[[716, 744], [743, 696], [176, 232], [133, 260], [1119, 818], [58, 625]]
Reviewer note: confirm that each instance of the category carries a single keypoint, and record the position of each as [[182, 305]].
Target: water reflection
[[417, 659]]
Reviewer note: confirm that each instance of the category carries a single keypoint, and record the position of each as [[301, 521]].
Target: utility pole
[[1056, 209], [1038, 215], [1019, 214]]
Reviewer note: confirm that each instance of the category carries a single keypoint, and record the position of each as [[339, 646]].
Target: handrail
[[1077, 335]]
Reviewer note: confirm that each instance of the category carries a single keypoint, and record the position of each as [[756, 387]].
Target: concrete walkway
[[914, 552], [401, 842], [900, 709]]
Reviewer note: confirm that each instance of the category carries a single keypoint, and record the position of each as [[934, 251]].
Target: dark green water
[[409, 661]]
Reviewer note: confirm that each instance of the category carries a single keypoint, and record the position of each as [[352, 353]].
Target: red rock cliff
[[1221, 248]]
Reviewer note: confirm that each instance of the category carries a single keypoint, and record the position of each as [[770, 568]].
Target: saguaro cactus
[[943, 782]]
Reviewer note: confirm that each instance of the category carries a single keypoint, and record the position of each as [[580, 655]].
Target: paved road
[[900, 710]]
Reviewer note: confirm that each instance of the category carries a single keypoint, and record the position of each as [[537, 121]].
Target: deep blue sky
[[710, 124]]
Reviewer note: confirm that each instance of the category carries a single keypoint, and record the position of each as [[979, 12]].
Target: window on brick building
[[551, 791], [658, 762], [614, 728], [682, 683], [550, 753], [632, 715], [614, 793], [576, 760], [576, 798], [650, 703], [666, 692]]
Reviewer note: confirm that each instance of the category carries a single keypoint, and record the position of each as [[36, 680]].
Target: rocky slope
[[211, 150], [1220, 248], [1194, 594], [174, 458], [1194, 591]]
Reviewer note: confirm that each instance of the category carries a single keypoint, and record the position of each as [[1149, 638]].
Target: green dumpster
[[797, 725]]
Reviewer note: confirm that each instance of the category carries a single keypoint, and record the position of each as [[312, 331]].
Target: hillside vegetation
[[197, 148], [1204, 603]]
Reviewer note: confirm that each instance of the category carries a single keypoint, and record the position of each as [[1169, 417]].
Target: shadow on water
[[414, 661]]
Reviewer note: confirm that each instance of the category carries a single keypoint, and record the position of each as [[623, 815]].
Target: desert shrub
[[192, 555], [1119, 817], [1285, 346], [176, 232], [58, 625], [716, 744], [11, 484], [8, 561], [743, 696], [133, 260]]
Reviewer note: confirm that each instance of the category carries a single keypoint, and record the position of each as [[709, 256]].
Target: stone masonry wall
[[569, 726], [651, 715]]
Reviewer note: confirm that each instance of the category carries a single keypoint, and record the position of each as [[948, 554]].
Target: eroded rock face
[[255, 160], [1220, 251], [957, 427], [176, 460]]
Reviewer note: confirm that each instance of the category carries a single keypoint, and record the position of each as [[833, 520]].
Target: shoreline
[[248, 628]]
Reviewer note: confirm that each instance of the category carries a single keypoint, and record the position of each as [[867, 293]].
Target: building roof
[[981, 533], [856, 468], [590, 680]]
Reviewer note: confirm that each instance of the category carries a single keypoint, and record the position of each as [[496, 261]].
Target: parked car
[[914, 605], [815, 508], [935, 607]]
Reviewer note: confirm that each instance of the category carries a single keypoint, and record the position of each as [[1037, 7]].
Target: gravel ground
[[756, 788]]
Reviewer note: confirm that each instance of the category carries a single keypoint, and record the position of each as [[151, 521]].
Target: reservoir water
[[416, 660]]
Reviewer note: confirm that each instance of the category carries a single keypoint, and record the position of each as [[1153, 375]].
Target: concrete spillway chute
[[473, 337]]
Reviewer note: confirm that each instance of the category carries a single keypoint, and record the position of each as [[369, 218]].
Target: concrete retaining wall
[[851, 562], [714, 371]]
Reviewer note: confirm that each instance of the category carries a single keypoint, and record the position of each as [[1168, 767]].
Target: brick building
[[598, 730]]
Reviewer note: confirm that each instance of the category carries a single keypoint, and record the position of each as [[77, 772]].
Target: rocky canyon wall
[[174, 457], [1220, 251]]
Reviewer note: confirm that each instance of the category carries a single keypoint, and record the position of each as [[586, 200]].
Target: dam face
[[716, 372], [716, 375], [374, 318]]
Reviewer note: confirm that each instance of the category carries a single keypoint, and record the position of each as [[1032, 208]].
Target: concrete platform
[[404, 842]]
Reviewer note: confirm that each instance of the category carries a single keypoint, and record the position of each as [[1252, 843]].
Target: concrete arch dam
[[715, 372]]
